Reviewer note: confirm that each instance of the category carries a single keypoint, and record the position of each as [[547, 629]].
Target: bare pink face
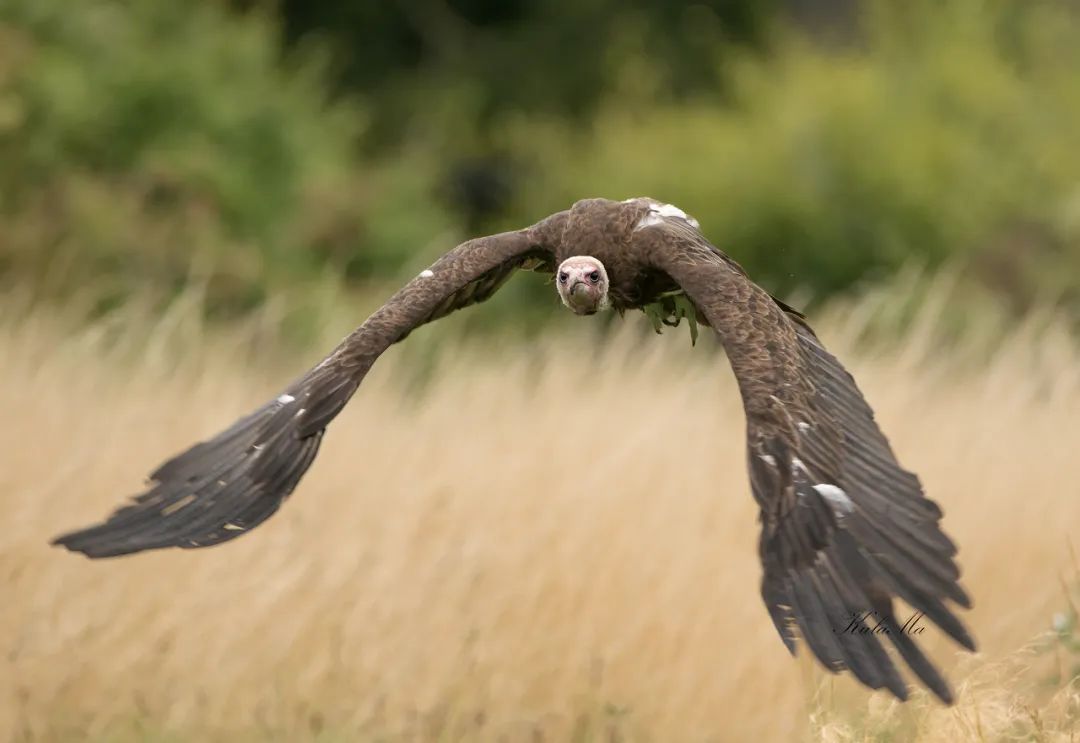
[[582, 282]]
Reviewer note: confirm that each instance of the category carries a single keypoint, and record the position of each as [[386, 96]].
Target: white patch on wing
[[650, 218], [836, 497], [427, 273], [804, 426], [797, 464], [659, 212], [768, 459], [286, 399], [670, 210]]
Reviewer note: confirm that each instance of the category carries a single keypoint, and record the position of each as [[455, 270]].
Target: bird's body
[[605, 230], [845, 529]]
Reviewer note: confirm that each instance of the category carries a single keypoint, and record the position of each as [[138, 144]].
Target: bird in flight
[[845, 530]]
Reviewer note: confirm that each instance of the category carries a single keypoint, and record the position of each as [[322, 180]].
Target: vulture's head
[[582, 282]]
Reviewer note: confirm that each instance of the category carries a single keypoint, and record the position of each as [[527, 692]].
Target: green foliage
[[146, 146], [476, 59], [145, 143], [948, 134]]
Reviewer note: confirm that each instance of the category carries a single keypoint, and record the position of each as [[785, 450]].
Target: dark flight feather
[[844, 527]]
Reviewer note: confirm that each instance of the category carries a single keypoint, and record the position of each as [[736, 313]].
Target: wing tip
[[72, 543]]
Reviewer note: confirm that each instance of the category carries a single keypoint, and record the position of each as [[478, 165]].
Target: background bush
[[146, 145], [950, 139]]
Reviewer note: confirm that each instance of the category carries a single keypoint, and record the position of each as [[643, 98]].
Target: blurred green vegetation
[[482, 58], [147, 145], [948, 134], [261, 151]]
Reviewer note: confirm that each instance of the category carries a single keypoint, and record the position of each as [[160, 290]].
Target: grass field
[[547, 541]]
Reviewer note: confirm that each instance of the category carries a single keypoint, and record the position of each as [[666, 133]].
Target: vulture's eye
[[594, 276], [563, 276]]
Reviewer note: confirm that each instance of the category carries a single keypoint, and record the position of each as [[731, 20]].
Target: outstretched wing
[[222, 488], [845, 529]]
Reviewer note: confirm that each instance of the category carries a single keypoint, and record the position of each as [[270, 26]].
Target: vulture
[[845, 530]]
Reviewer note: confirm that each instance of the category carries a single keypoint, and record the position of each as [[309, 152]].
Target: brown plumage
[[845, 529]]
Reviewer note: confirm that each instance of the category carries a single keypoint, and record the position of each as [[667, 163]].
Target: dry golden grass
[[556, 541]]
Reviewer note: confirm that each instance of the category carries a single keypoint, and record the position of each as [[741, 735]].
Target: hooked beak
[[581, 298], [579, 294]]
